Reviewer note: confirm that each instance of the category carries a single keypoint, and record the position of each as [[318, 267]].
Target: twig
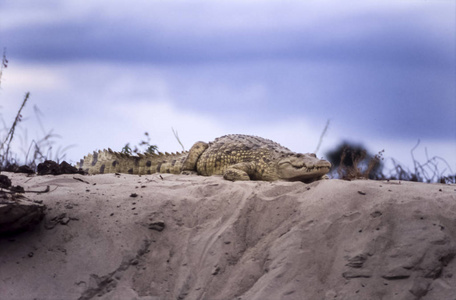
[[81, 180], [10, 135], [415, 162], [4, 64], [321, 136], [176, 135]]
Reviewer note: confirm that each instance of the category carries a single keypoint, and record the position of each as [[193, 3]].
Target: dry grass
[[5, 146], [432, 170], [33, 152], [360, 166], [145, 144]]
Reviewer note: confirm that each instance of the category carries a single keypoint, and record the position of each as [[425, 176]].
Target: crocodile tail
[[108, 161], [99, 162]]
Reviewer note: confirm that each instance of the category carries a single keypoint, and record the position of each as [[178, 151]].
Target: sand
[[191, 237]]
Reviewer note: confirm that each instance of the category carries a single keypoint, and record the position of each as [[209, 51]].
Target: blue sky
[[104, 72]]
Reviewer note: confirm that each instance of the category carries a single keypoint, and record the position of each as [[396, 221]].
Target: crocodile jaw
[[302, 167]]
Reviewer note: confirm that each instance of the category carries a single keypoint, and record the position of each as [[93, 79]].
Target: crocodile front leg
[[241, 171]]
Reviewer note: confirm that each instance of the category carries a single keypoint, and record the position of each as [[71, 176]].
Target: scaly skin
[[236, 157]]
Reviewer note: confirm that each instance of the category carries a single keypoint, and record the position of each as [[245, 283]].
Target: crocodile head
[[302, 167]]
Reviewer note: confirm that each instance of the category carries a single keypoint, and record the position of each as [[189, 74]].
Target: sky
[[383, 73]]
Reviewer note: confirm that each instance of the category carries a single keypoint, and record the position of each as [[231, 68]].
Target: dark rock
[[17, 189], [10, 168], [50, 167], [18, 213], [5, 182], [25, 169], [18, 169], [66, 168]]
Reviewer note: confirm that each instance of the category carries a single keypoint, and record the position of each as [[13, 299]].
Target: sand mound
[[191, 237]]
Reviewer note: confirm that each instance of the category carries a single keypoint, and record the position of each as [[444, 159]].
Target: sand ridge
[[168, 236]]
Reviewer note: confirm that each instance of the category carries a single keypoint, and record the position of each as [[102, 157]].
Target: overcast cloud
[[103, 72]]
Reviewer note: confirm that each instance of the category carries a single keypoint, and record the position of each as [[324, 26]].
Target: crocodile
[[235, 156]]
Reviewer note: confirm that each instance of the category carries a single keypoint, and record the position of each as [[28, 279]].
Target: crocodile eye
[[313, 155]]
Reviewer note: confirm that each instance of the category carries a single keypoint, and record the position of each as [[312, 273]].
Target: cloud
[[38, 77], [152, 32]]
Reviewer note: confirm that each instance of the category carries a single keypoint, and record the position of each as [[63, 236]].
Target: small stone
[[397, 273], [358, 274], [65, 221], [376, 214], [216, 270], [356, 261], [158, 226]]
